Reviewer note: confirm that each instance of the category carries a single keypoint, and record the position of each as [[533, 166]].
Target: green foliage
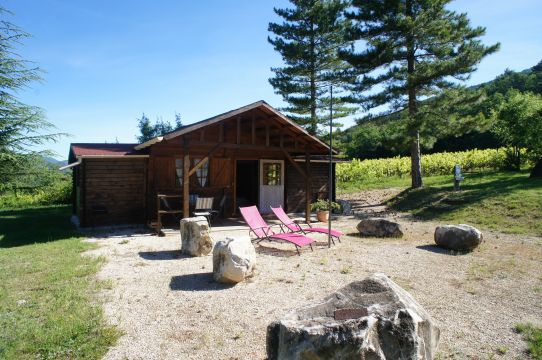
[[22, 126], [308, 41], [519, 121], [433, 164], [400, 34], [390, 138], [533, 336], [58, 317], [529, 80], [37, 183], [323, 205], [149, 131]]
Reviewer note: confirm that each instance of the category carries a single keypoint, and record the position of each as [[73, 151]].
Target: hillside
[[382, 136]]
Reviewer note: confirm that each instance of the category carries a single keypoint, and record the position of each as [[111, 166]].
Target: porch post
[[186, 180], [308, 194]]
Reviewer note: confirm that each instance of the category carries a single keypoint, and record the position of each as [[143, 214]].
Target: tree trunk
[[414, 132], [536, 172]]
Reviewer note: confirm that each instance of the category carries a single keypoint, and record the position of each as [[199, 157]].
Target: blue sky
[[106, 62]]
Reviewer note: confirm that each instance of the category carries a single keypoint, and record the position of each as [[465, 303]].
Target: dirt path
[[169, 307]]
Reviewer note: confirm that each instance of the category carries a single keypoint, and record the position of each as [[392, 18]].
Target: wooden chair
[[163, 207], [204, 207]]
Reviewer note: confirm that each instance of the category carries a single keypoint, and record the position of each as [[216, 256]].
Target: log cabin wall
[[113, 192], [295, 186]]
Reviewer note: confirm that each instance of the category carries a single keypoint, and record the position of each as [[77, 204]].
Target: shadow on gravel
[[163, 255], [196, 282], [273, 251], [439, 250]]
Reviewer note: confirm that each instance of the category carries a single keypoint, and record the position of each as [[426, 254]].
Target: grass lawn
[[47, 289], [509, 202]]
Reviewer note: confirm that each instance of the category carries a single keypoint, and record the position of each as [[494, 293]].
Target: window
[[271, 174], [202, 173], [179, 171]]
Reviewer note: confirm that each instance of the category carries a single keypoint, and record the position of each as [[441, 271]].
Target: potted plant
[[322, 209]]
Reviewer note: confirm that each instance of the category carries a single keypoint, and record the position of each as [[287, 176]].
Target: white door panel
[[271, 184]]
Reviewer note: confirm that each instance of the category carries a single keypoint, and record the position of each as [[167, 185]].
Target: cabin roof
[[260, 105], [78, 150]]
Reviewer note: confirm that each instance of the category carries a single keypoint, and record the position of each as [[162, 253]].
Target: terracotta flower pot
[[322, 215]]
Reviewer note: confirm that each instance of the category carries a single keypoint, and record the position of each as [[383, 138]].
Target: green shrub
[[56, 193], [432, 164], [323, 205]]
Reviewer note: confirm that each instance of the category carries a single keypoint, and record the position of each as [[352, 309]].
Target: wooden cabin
[[253, 155]]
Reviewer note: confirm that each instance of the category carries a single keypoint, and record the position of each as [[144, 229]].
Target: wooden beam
[[243, 146], [294, 164], [238, 130], [204, 160], [221, 132], [186, 180], [253, 130], [308, 195], [266, 135], [202, 135], [234, 184]]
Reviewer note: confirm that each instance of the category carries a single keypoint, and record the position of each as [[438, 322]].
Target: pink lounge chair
[[296, 228], [262, 231]]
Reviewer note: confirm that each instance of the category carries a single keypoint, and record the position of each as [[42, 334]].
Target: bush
[[56, 193], [433, 164], [323, 205]]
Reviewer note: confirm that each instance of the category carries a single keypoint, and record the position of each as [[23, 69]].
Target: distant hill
[[381, 136], [55, 162]]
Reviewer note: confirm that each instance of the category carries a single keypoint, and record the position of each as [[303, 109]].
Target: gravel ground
[[169, 308]]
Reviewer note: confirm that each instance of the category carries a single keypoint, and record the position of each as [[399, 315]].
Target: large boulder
[[195, 238], [458, 237], [369, 319], [375, 227], [234, 259]]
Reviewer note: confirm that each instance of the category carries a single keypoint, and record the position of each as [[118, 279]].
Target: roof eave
[[149, 143]]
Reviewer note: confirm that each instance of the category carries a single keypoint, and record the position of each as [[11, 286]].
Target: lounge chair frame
[[270, 235], [295, 227]]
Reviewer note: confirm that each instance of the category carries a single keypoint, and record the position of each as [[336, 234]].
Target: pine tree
[[414, 49], [148, 130], [309, 40], [22, 127]]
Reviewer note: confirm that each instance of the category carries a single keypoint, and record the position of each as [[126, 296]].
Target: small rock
[[234, 260], [458, 237], [376, 227], [21, 302], [195, 238], [370, 319]]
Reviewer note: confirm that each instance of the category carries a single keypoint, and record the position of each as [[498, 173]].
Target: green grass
[[41, 267], [371, 184], [533, 336], [509, 202]]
